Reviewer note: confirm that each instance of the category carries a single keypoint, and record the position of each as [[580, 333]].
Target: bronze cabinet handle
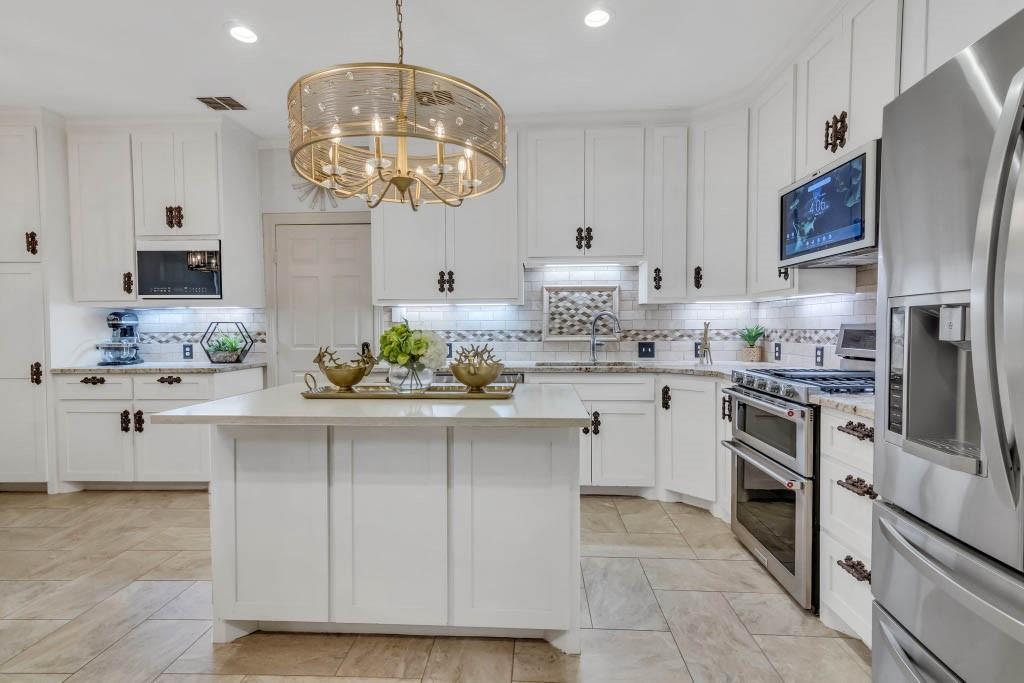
[[657, 278], [126, 421], [32, 243], [727, 408], [828, 135], [859, 430], [857, 485], [35, 373], [588, 237], [595, 422], [784, 273], [440, 281], [855, 568], [179, 217], [451, 282], [579, 238], [839, 129], [128, 283], [586, 430], [698, 277], [169, 216], [666, 397], [169, 379], [93, 380], [139, 420]]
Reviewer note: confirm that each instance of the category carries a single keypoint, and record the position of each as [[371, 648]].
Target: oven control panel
[[769, 385]]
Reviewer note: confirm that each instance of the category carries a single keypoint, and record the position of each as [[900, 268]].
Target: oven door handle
[[790, 480], [793, 414]]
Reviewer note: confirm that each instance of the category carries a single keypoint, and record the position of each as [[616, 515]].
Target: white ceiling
[[150, 57]]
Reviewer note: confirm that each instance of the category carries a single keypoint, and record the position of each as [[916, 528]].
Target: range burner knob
[[775, 388], [749, 380], [762, 385], [789, 392]]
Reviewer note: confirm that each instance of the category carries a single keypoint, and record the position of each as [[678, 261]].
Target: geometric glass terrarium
[[226, 342]]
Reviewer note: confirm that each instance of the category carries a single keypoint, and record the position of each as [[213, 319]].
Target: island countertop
[[532, 405]]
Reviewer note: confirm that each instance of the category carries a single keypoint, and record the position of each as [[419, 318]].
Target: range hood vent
[[222, 103]]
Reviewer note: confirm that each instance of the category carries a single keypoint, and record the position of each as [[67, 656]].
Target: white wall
[[278, 188]]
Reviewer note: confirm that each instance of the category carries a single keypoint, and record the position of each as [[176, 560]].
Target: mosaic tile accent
[[568, 310], [819, 337], [802, 336], [188, 337]]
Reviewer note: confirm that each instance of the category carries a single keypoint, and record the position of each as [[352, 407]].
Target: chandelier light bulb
[[368, 169], [419, 170], [462, 164], [378, 126], [439, 130], [335, 134], [597, 18]]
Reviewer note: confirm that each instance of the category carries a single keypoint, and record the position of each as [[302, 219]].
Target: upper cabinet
[[584, 192], [175, 174], [19, 194], [663, 276]]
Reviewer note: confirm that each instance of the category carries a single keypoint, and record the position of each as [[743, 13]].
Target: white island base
[[395, 516]]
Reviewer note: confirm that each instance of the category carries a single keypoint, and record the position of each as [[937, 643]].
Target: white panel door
[[622, 439], [874, 29], [823, 92], [94, 442], [271, 557], [614, 173], [554, 191], [389, 526], [665, 274], [687, 441], [718, 229], [409, 254], [154, 178], [513, 528], [772, 145], [19, 192], [323, 295], [198, 181], [165, 452], [102, 232]]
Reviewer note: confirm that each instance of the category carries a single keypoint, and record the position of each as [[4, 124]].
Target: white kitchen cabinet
[[176, 169], [94, 441], [102, 230], [622, 442], [19, 193], [409, 253], [169, 452], [554, 187], [663, 275], [23, 426], [717, 208], [686, 436], [614, 191]]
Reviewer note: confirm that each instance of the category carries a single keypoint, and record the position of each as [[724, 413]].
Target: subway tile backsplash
[[162, 331]]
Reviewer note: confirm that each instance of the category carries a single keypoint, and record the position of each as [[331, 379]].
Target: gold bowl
[[347, 375], [476, 377]]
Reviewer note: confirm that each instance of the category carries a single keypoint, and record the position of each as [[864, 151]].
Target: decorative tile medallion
[[568, 311]]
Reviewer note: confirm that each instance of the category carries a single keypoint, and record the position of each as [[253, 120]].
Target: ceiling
[[132, 57]]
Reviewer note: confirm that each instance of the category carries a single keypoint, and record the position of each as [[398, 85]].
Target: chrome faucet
[[616, 327]]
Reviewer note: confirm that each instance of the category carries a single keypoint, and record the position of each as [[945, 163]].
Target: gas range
[[800, 384]]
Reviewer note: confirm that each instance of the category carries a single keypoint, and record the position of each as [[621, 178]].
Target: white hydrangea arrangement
[[413, 349]]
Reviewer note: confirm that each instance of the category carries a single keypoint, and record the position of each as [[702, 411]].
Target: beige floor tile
[[469, 660], [154, 517], [641, 516], [57, 500], [17, 635], [16, 594], [712, 639], [861, 653], [186, 565], [26, 537], [24, 517], [619, 596], [776, 615], [811, 660], [585, 620], [199, 678], [194, 603], [32, 678], [710, 538], [75, 597], [105, 537], [177, 538], [539, 661], [597, 504], [387, 656], [594, 544], [49, 565], [683, 509], [173, 500], [736, 576], [323, 679], [143, 653], [605, 520], [280, 654], [617, 656], [74, 644]]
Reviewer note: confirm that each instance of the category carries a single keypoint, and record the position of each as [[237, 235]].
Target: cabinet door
[[664, 277], [718, 210], [169, 452], [687, 447], [823, 92], [874, 30], [154, 178], [408, 252], [19, 192], [554, 191], [197, 181], [100, 198], [614, 194], [623, 443], [483, 245], [21, 306], [586, 448], [23, 425], [772, 145], [91, 445]]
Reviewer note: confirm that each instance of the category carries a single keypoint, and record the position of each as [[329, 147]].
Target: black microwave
[[179, 269]]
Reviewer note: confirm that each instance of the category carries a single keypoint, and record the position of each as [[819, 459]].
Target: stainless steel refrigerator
[[948, 531]]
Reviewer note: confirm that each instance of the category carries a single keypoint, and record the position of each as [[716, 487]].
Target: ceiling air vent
[[222, 103]]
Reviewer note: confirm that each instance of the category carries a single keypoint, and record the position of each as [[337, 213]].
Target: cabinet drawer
[[602, 387], [173, 386], [844, 447], [844, 513], [94, 386], [847, 597]]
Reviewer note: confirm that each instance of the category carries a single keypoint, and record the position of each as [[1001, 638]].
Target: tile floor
[[114, 587]]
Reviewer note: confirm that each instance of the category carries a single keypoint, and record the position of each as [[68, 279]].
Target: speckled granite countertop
[[198, 367], [721, 370], [861, 405]]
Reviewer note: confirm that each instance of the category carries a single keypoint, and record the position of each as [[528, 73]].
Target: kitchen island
[[439, 517]]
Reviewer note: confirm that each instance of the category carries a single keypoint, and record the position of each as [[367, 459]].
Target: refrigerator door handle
[[929, 568], [913, 674], [993, 215]]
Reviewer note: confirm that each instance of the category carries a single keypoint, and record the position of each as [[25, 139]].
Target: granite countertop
[[185, 367], [721, 370], [861, 405]]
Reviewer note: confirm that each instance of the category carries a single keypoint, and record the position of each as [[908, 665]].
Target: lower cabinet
[[22, 424], [95, 441], [622, 443], [687, 436], [169, 452]]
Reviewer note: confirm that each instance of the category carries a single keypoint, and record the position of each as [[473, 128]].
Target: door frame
[[271, 221]]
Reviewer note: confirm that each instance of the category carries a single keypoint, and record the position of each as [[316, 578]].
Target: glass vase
[[406, 380]]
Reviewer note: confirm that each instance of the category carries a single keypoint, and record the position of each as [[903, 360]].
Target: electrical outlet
[[449, 350], [778, 350], [819, 355], [696, 349], [645, 349], [186, 351]]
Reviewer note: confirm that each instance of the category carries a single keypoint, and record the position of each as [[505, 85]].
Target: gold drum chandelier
[[393, 132]]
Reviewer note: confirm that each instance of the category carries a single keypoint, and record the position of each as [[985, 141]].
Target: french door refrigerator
[[948, 529]]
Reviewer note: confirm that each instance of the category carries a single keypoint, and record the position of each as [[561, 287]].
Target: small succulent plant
[[226, 344], [752, 334]]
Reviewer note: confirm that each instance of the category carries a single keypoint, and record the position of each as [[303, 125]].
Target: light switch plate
[[449, 350], [819, 356], [645, 349], [778, 350], [186, 351], [696, 349]]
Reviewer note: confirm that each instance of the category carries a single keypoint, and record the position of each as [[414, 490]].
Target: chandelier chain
[[401, 46]]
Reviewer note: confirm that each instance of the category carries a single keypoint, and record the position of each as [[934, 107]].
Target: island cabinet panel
[[270, 529], [389, 526], [514, 528]]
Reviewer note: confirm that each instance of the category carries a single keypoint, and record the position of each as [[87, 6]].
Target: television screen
[[825, 212]]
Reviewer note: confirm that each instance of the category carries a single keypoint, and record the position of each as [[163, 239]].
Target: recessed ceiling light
[[597, 18], [243, 34]]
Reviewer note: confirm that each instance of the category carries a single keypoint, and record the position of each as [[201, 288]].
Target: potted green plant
[[225, 348], [752, 335], [412, 356]]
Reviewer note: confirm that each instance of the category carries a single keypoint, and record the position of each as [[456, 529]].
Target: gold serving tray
[[453, 392]]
